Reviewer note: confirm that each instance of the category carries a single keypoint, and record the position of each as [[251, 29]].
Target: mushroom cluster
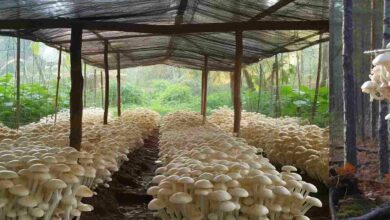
[[7, 133], [208, 174], [286, 141], [147, 120], [379, 85], [42, 178]]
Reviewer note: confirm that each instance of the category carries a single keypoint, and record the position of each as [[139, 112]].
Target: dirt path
[[126, 198]]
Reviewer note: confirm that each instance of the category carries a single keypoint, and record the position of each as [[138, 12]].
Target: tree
[[383, 105], [349, 85]]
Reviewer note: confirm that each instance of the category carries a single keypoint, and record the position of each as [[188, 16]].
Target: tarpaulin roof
[[184, 49]]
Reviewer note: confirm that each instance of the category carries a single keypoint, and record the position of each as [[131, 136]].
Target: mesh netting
[[186, 50]]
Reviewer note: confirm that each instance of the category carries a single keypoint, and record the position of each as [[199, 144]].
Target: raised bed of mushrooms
[[208, 174], [42, 178], [286, 141]]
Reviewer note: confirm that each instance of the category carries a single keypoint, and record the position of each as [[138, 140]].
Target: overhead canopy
[[146, 45]]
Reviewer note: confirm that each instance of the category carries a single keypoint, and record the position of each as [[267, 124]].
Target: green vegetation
[[161, 88]]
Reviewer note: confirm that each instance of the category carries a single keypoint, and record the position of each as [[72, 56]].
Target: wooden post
[[349, 86], [101, 87], [314, 106], [18, 82], [277, 95], [58, 84], [237, 84], [94, 87], [107, 78], [85, 85], [118, 82], [76, 91], [260, 86], [205, 74]]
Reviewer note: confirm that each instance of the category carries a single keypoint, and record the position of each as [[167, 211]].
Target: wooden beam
[[205, 74], [165, 29], [269, 11], [58, 84], [17, 82], [107, 78], [178, 21], [100, 39], [118, 83], [85, 85], [237, 84], [76, 91]]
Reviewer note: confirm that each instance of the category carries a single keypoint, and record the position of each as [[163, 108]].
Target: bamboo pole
[[102, 87], [17, 82], [76, 91], [205, 74], [94, 87], [237, 84], [118, 87], [85, 85], [58, 84], [107, 78], [314, 106]]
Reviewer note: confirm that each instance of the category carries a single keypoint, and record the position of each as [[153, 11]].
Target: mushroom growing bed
[[209, 174], [42, 178], [285, 141]]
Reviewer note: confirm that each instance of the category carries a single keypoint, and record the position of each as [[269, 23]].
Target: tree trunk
[[76, 91], [277, 107], [349, 86], [249, 81], [376, 43], [336, 102], [383, 107], [237, 84], [118, 85], [58, 84], [260, 86], [314, 107], [205, 73]]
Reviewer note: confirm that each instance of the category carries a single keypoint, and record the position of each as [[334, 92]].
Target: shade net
[[185, 50]]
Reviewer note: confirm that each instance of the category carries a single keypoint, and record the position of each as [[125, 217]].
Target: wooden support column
[[101, 87], [94, 87], [18, 82], [85, 85], [205, 74], [107, 89], [76, 91], [118, 83], [58, 84], [237, 84]]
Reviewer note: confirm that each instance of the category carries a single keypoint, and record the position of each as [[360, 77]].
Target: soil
[[126, 197]]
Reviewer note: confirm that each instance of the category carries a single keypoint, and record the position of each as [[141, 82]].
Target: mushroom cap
[[180, 198], [239, 192], [153, 190], [69, 178], [37, 212], [258, 210], [219, 195], [55, 184], [77, 170], [381, 59], [203, 192], [262, 179], [62, 168], [8, 174], [84, 191], [227, 206], [186, 180], [68, 200], [302, 217], [3, 202], [281, 191], [28, 201], [222, 178], [75, 212], [84, 207], [156, 204], [204, 184], [19, 190], [314, 201], [309, 187], [38, 167], [90, 172], [288, 168]]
